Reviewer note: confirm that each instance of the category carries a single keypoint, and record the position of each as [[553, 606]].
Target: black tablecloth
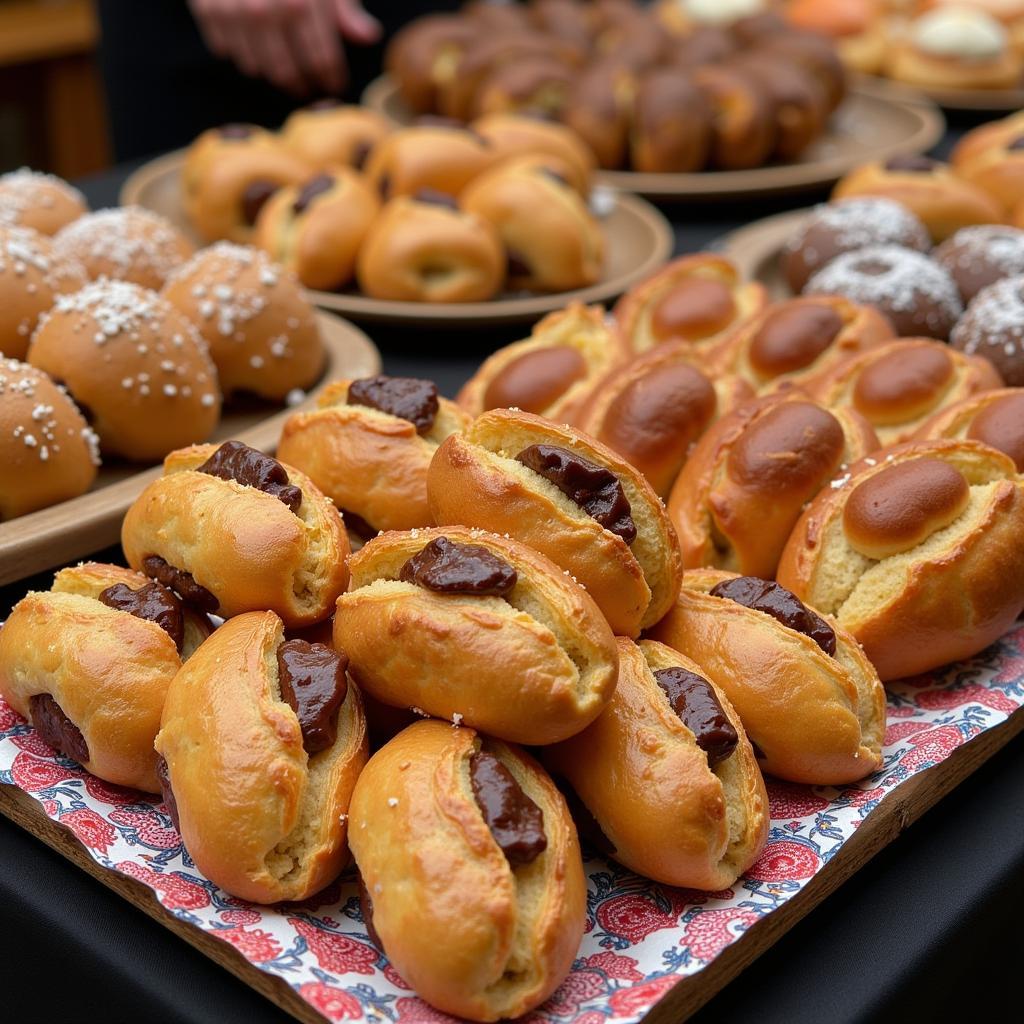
[[927, 931]]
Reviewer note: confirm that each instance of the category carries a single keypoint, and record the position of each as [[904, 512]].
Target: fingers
[[313, 38], [355, 23], [208, 18]]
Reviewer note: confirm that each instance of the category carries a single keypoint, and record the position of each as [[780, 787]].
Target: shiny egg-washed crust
[[333, 137], [260, 817], [533, 667], [639, 771], [938, 602], [970, 375], [816, 719], [243, 545], [472, 935], [957, 421], [107, 669], [633, 311], [995, 168], [580, 327], [474, 478], [366, 461]]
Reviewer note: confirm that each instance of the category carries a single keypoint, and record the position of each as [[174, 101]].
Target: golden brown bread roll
[[368, 450], [813, 713], [423, 55], [598, 109], [89, 661], [234, 530], [956, 585], [995, 418], [42, 202], [668, 773], [570, 497], [672, 126], [481, 911], [743, 119], [990, 157], [262, 740], [478, 629], [328, 135]]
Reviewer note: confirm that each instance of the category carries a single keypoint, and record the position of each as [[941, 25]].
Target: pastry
[[855, 26], [260, 745], [48, 453], [478, 629], [981, 255], [743, 125], [813, 53], [536, 86], [43, 202], [89, 661], [233, 530], [737, 499], [316, 229], [569, 497], [993, 327], [472, 882], [328, 135], [135, 366], [807, 696], [367, 446], [992, 158], [570, 20], [995, 418], [672, 123], [598, 109], [917, 554], [669, 774]]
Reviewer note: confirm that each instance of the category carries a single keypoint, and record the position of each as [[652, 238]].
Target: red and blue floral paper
[[641, 938]]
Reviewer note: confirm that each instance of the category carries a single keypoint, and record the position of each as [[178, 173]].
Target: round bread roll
[[811, 52], [672, 125], [989, 136], [537, 85], [916, 554], [990, 157], [42, 202], [993, 327], [981, 255], [995, 418], [48, 453], [138, 368], [328, 135], [423, 55], [743, 118], [598, 110]]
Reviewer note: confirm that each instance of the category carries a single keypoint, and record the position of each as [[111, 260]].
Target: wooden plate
[[83, 525], [638, 240], [994, 101], [755, 250], [870, 125]]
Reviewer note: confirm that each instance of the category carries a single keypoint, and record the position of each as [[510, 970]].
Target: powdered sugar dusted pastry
[[43, 202], [993, 327], [981, 255]]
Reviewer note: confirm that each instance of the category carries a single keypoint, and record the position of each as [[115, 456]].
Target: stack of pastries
[[444, 623]]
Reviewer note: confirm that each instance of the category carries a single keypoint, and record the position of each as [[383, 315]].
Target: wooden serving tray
[[75, 528], [991, 101]]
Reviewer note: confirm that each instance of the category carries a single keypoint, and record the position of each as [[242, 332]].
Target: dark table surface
[[928, 930]]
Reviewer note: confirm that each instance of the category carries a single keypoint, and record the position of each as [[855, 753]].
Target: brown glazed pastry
[[832, 229], [671, 125], [537, 85], [991, 156], [128, 244], [316, 229], [42, 202], [669, 774], [367, 446], [633, 38], [552, 241], [743, 131], [260, 328], [808, 698], [993, 327], [995, 418], [569, 497], [32, 275], [329, 135], [698, 299], [551, 373], [811, 52], [652, 410], [472, 882], [233, 530], [478, 629], [898, 385], [917, 554], [423, 248], [89, 661], [944, 202], [570, 20], [704, 44], [261, 742], [137, 368], [981, 255], [793, 343], [423, 55], [912, 291], [598, 109], [750, 476]]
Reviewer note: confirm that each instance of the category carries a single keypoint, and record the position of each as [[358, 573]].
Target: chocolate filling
[[779, 603], [235, 131], [698, 708], [435, 197], [181, 582], [312, 682], [1017, 143], [408, 398], [236, 461], [516, 265], [366, 909], [910, 162], [314, 187], [151, 601], [384, 186], [515, 821], [255, 195], [357, 525], [450, 568], [360, 153], [595, 489], [56, 729], [166, 792]]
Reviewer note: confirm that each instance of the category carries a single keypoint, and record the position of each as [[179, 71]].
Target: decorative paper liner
[[641, 938]]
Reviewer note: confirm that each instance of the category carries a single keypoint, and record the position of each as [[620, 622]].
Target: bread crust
[[957, 421]]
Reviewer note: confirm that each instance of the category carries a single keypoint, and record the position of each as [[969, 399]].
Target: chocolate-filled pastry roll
[[918, 554], [668, 773], [261, 742], [89, 661], [472, 878], [478, 629], [995, 418], [327, 135], [809, 699], [233, 530], [569, 497], [749, 477], [367, 446]]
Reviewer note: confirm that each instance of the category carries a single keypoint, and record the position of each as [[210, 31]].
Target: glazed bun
[[743, 127], [993, 327], [672, 123], [43, 202], [328, 135], [995, 418]]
